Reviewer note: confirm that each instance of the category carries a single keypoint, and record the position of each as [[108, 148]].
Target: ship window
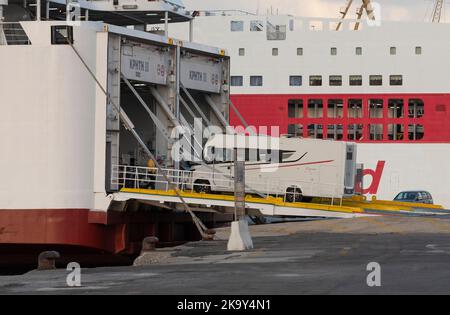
[[295, 80], [355, 108], [315, 108], [396, 80], [355, 132], [333, 51], [315, 80], [335, 132], [376, 108], [237, 26], [291, 25], [299, 51], [418, 50], [335, 109], [256, 80], [358, 51], [237, 80], [376, 132], [396, 132], [276, 32], [376, 80], [415, 132], [315, 131], [295, 130], [335, 80], [355, 80], [395, 108], [416, 108], [62, 35], [393, 50], [256, 26], [295, 109], [241, 51], [274, 51]]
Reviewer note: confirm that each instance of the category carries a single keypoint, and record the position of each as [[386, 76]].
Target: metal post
[[177, 85], [166, 24], [1, 13], [38, 10], [86, 15], [47, 10], [191, 30], [239, 185]]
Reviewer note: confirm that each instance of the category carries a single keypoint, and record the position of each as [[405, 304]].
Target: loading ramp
[[147, 185]]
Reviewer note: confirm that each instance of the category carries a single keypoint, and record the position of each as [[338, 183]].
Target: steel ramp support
[[130, 127], [197, 107], [169, 113], [216, 111], [155, 119], [196, 143], [186, 106], [164, 106]]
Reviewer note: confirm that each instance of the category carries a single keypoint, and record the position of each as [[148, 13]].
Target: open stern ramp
[[148, 185], [270, 206]]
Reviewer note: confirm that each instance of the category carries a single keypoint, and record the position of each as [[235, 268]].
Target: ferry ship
[[385, 86], [80, 94]]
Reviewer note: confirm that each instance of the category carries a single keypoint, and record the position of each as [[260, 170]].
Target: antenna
[[437, 11]]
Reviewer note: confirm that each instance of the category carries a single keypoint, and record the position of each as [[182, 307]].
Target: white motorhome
[[298, 169]]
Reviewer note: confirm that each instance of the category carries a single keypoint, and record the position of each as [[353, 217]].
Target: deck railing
[[137, 177]]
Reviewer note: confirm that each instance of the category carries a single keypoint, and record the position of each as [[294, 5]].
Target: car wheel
[[202, 186], [294, 194]]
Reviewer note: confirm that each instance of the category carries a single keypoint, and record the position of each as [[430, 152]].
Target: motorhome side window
[[62, 34]]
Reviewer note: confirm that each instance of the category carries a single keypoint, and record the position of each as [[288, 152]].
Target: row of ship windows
[[334, 51], [355, 132], [317, 80], [355, 109]]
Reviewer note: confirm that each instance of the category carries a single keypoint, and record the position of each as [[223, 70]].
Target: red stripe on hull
[[69, 227], [24, 232], [272, 110]]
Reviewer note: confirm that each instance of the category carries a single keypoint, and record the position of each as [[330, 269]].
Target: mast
[[365, 6], [437, 11]]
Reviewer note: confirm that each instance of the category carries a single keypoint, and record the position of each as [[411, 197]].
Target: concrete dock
[[319, 257]]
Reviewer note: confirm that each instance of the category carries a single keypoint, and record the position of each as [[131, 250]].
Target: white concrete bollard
[[240, 238]]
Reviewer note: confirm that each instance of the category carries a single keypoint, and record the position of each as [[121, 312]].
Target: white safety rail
[[137, 177]]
